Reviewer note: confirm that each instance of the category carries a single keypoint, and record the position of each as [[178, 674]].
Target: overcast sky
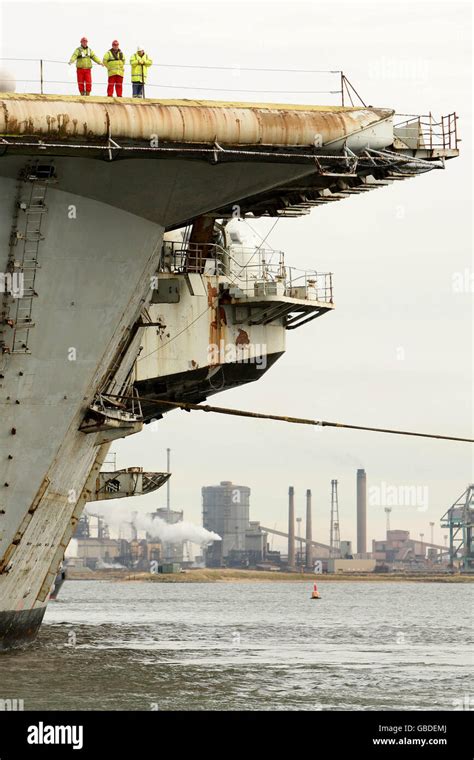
[[397, 351]]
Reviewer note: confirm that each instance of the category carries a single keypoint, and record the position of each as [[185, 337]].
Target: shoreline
[[226, 575]]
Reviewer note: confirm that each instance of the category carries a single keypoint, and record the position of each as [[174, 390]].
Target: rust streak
[[242, 338]]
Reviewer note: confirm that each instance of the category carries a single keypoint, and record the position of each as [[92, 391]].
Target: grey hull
[[20, 627], [96, 259]]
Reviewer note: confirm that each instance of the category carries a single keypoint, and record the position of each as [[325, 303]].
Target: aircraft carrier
[[125, 283]]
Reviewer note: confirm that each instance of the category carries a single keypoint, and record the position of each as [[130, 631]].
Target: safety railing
[[124, 408], [424, 132], [311, 286], [50, 77], [256, 272]]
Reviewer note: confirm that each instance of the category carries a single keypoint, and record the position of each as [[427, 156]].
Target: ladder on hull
[[23, 260]]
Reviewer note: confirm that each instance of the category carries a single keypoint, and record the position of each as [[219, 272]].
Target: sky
[[397, 350]]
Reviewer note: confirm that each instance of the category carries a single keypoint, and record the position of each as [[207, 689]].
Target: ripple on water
[[236, 646]]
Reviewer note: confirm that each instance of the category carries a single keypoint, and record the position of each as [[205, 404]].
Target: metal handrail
[[444, 137], [258, 275], [42, 81], [345, 90]]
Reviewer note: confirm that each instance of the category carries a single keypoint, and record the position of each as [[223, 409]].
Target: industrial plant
[[95, 549], [245, 544], [225, 510], [337, 555]]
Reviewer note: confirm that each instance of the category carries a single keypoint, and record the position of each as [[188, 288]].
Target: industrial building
[[399, 551], [95, 549], [170, 552], [396, 552], [93, 552], [346, 550], [225, 510], [350, 565], [97, 553]]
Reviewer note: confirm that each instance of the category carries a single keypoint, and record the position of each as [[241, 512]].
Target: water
[[234, 645]]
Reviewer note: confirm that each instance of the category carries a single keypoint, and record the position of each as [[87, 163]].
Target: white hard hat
[[139, 47]]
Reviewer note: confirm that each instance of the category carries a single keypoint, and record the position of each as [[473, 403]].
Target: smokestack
[[309, 531], [291, 527], [134, 526], [361, 512]]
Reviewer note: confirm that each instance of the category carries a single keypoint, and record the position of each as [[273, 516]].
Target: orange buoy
[[315, 594]]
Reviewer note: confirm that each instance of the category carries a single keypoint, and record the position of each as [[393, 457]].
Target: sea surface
[[250, 646]]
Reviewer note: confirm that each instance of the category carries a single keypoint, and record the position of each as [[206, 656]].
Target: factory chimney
[[309, 531], [291, 527], [361, 512]]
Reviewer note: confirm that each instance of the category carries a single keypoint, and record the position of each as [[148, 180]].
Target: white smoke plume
[[174, 534], [114, 515]]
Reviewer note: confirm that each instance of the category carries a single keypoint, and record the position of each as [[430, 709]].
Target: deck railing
[[50, 77], [425, 132], [256, 272]]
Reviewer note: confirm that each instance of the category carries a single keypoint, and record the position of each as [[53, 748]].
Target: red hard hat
[[83, 39], [115, 43]]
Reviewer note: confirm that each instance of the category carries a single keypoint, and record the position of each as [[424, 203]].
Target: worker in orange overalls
[[83, 56]]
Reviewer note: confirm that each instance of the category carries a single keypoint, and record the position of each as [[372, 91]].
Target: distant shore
[[223, 575]]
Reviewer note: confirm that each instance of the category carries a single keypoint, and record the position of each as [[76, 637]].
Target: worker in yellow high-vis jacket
[[83, 56], [114, 59], [140, 64]]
